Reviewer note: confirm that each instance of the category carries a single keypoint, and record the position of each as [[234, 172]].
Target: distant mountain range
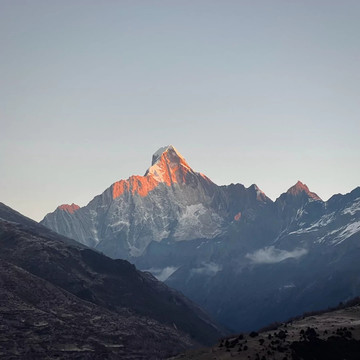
[[60, 299], [244, 258]]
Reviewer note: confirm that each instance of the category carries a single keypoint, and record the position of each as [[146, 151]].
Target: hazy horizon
[[248, 92]]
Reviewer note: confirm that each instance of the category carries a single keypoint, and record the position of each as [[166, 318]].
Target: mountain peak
[[168, 166], [69, 208], [300, 188], [158, 154]]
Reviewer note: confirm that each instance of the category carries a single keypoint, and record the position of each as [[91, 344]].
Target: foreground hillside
[[333, 335], [61, 298], [40, 320]]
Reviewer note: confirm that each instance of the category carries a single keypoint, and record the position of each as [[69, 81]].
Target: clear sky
[[248, 91]]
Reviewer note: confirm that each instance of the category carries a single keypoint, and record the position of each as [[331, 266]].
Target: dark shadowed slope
[[40, 320], [114, 286]]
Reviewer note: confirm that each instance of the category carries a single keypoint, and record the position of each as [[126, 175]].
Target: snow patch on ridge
[[324, 221], [197, 222], [354, 208], [329, 234], [93, 229], [192, 213], [346, 232]]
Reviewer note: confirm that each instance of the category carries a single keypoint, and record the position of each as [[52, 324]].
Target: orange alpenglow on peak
[[299, 187], [69, 208], [168, 167], [237, 217]]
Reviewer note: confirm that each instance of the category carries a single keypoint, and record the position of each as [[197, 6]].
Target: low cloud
[[207, 269], [271, 255], [163, 274]]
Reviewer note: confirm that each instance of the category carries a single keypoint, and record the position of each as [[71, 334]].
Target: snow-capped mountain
[[170, 202], [229, 248]]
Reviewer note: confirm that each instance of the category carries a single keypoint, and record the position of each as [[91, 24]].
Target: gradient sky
[[264, 92]]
